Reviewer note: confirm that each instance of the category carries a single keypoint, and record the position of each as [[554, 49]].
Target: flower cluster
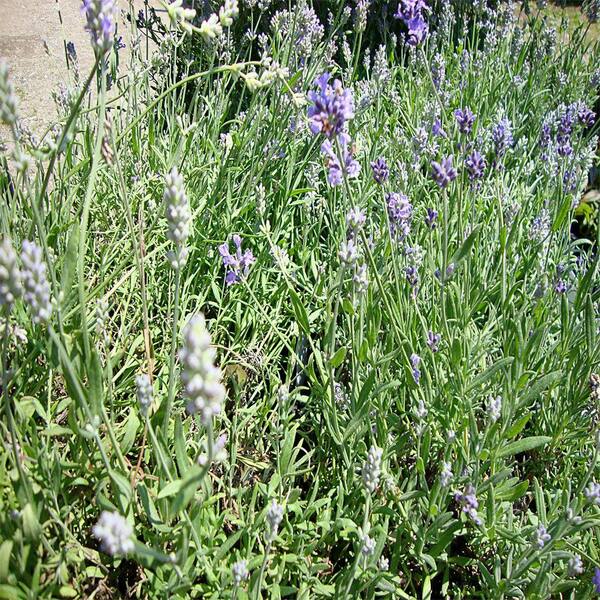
[[465, 119], [274, 518], [239, 572], [237, 264], [381, 171], [338, 169], [114, 533], [35, 283], [180, 16], [179, 217], [494, 408], [443, 172], [300, 29], [8, 99], [592, 493], [10, 275], [371, 470], [332, 106], [201, 379], [475, 164], [144, 392], [411, 13], [100, 16], [469, 504], [541, 537], [212, 28], [399, 210], [415, 361]]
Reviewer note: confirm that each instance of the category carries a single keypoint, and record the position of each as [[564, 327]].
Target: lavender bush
[[308, 321]]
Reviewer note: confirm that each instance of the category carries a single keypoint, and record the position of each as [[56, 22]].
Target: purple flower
[[443, 173], [502, 137], [431, 218], [596, 580], [476, 165], [465, 119], [237, 264], [545, 135], [570, 181], [411, 13], [417, 30], [399, 211], [101, 23], [541, 536], [412, 276], [415, 360], [355, 218], [331, 107], [468, 503], [586, 116], [437, 129], [433, 341], [380, 169], [350, 167]]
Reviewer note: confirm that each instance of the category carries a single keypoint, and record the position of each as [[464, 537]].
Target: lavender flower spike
[[371, 470], [381, 171], [465, 119], [444, 173], [100, 16], [201, 378], [332, 106], [10, 276], [238, 264], [114, 533], [596, 580], [179, 217], [35, 282], [336, 171], [476, 165], [415, 360]]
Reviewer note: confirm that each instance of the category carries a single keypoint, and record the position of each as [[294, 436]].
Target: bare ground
[[33, 34]]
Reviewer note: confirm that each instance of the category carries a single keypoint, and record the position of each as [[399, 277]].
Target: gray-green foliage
[[315, 373]]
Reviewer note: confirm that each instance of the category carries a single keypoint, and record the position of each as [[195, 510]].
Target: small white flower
[[228, 12], [274, 518], [35, 283], [201, 379], [348, 253], [367, 544], [239, 571], [144, 392], [494, 409], [383, 564], [211, 28], [446, 475], [8, 99], [114, 533], [179, 217], [371, 470], [541, 537], [575, 566], [219, 454], [10, 276]]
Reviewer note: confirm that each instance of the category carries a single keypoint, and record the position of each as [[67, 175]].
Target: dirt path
[[32, 38]]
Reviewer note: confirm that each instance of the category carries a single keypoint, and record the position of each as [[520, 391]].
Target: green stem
[[86, 212], [174, 329], [9, 412]]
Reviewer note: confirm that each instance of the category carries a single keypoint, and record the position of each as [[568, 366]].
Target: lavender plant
[[368, 366]]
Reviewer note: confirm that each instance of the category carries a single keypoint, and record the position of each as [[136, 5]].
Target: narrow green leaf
[[338, 358], [523, 445], [300, 312]]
